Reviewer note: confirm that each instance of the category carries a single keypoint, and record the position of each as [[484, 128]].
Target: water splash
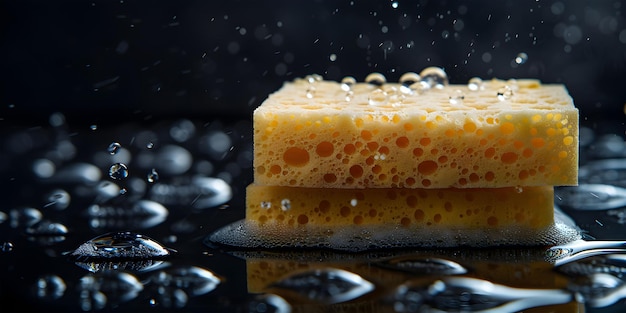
[[327, 285], [120, 245]]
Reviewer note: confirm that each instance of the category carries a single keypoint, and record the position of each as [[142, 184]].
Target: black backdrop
[[105, 62]]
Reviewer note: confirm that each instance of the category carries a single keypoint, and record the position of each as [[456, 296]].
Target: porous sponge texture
[[418, 140], [528, 207]]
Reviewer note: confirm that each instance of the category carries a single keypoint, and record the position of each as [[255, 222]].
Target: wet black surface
[[174, 84]]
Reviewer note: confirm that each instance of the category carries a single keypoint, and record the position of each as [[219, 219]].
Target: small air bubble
[[376, 79], [114, 147], [521, 58], [285, 205], [266, 205], [505, 93], [475, 84], [118, 171]]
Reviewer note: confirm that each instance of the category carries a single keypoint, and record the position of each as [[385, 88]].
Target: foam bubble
[[251, 234]]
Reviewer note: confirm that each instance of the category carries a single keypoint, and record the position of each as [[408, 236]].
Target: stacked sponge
[[413, 154]]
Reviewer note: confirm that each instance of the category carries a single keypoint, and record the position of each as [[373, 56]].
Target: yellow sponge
[[318, 134], [528, 207]]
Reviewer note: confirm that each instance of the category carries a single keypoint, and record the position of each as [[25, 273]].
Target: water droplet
[[519, 189], [407, 81], [118, 171], [120, 245], [347, 83], [266, 205], [475, 84], [354, 202], [456, 98], [57, 199], [173, 160], [435, 77], [326, 285], [504, 93], [310, 92], [377, 97], [93, 127], [268, 303], [182, 130], [313, 78], [3, 217], [44, 168], [614, 264], [521, 58], [49, 287], [141, 214], [113, 287], [426, 266], [332, 57], [153, 176], [46, 228], [598, 290], [200, 192], [150, 145], [285, 205], [24, 217], [77, 173], [193, 280], [376, 79], [114, 148], [6, 246]]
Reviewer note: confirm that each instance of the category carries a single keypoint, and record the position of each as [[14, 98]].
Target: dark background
[[106, 62]]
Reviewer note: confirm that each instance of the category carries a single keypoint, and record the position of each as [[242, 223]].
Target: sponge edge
[[251, 234], [528, 207]]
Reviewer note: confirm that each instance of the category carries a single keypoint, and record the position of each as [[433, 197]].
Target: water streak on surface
[[580, 249]]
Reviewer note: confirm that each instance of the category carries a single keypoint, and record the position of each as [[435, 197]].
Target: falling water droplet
[[113, 148], [436, 77], [6, 246], [153, 176], [120, 245], [504, 93], [118, 171], [376, 79], [377, 97], [456, 98], [407, 80], [475, 84], [93, 127], [285, 205], [521, 58], [266, 205], [150, 145]]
